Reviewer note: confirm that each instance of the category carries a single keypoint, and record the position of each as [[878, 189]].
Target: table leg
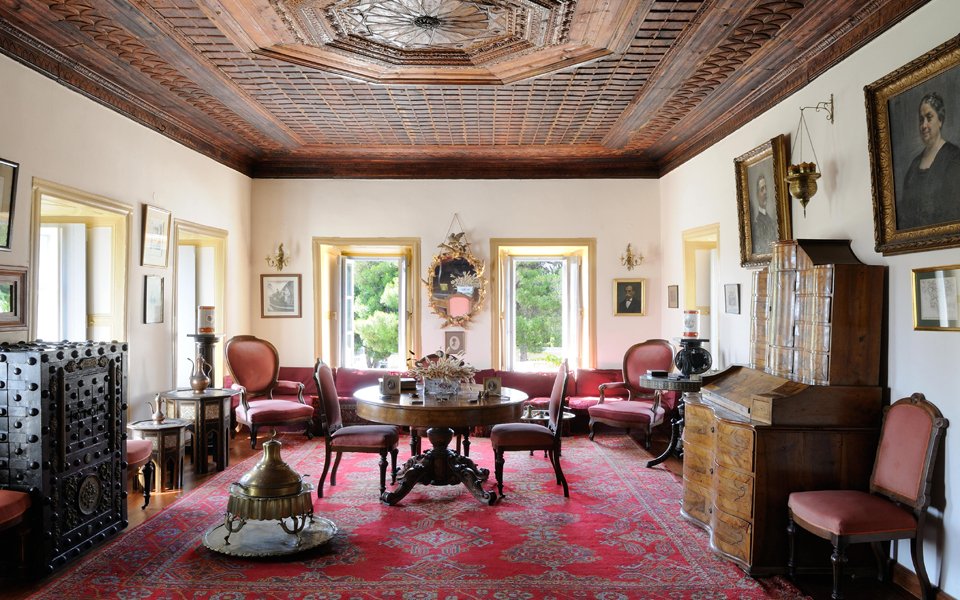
[[441, 466], [675, 446]]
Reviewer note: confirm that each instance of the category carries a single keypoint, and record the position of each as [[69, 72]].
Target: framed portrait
[[936, 298], [13, 301], [280, 296], [629, 298], [763, 204], [454, 342], [731, 298], [8, 191], [673, 296], [914, 142], [152, 299], [156, 236]]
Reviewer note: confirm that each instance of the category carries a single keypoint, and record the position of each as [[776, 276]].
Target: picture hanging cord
[[456, 217], [799, 138]]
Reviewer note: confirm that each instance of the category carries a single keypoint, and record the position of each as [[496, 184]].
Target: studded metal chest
[[62, 422]]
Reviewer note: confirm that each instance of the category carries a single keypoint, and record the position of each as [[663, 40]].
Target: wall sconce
[[629, 259], [279, 259], [803, 176]]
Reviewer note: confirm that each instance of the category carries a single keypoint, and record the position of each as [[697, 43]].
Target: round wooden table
[[673, 384], [440, 465]]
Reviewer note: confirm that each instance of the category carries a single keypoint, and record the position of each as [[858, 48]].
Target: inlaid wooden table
[[671, 384], [440, 465], [168, 443], [209, 411]]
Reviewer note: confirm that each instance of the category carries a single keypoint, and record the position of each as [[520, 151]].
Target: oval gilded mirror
[[455, 285]]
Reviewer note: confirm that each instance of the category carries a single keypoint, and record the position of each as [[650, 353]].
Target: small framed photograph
[[673, 296], [914, 144], [152, 299], [8, 191], [13, 302], [763, 204], [936, 298], [731, 298], [628, 297], [156, 236], [492, 386], [390, 385], [455, 342], [280, 296]]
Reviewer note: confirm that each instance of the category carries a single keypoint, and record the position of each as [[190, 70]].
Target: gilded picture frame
[[155, 244], [763, 204], [629, 297], [8, 196], [280, 296], [914, 145], [456, 285], [936, 298]]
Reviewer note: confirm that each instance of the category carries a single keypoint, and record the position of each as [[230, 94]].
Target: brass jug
[[200, 374], [157, 409]]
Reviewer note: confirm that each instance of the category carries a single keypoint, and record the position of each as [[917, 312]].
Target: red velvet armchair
[[255, 365], [642, 408]]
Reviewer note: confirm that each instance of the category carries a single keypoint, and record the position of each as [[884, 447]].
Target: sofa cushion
[[272, 411], [350, 380], [589, 380], [532, 384], [302, 375]]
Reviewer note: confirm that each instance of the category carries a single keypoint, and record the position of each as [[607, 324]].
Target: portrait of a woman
[[931, 187]]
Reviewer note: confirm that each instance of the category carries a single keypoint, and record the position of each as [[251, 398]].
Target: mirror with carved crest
[[455, 283]]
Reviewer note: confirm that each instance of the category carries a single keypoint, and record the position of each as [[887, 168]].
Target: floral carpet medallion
[[618, 536]]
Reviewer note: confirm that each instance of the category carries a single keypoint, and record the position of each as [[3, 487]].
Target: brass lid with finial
[[270, 477]]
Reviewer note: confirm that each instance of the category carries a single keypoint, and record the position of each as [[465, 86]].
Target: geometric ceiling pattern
[[441, 88]]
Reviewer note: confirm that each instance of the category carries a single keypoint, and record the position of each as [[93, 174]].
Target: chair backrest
[[255, 363], [909, 441], [639, 358], [330, 417], [557, 397]]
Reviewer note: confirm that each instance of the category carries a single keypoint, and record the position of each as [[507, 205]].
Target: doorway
[[701, 285]]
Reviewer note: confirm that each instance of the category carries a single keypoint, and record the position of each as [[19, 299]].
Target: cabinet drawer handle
[[712, 430], [711, 470]]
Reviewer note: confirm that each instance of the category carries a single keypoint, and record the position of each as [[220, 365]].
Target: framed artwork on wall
[[8, 191], [628, 297], [936, 298], [731, 298], [914, 142], [152, 299], [156, 236], [763, 204], [280, 296], [455, 342], [13, 301], [673, 296]]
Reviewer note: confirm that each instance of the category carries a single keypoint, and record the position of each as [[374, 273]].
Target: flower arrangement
[[467, 280], [443, 366]]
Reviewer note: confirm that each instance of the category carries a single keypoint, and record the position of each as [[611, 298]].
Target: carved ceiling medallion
[[434, 41]]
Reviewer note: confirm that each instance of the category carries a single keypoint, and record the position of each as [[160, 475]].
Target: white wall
[[60, 136], [614, 212], [703, 191]]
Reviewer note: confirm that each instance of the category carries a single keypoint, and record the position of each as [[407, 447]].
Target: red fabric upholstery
[[521, 436], [350, 380], [850, 512], [533, 384], [138, 453], [253, 362], [626, 413], [588, 382], [13, 505], [904, 441], [370, 436], [273, 411]]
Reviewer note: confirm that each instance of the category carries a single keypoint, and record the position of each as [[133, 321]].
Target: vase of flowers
[[441, 373], [466, 283]]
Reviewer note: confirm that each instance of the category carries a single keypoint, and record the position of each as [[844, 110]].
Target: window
[[544, 307], [80, 250], [367, 309]]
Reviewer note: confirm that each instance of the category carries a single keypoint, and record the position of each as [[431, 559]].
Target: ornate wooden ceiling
[[441, 88]]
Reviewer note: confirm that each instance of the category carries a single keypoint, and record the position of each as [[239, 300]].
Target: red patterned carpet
[[618, 536]]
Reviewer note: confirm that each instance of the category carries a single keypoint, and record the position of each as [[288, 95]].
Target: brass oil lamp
[[803, 178]]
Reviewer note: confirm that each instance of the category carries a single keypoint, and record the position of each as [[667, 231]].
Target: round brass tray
[[267, 538]]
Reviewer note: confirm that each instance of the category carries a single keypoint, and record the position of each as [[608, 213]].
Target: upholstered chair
[[139, 463], [512, 437], [374, 439], [642, 409], [255, 365], [896, 505]]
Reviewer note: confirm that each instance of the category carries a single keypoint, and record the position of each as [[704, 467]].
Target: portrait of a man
[[629, 297], [763, 220], [763, 205]]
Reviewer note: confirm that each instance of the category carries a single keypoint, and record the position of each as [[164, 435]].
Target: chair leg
[[839, 559], [592, 432], [336, 465], [883, 564], [466, 443], [414, 442], [498, 470], [393, 466], [253, 436], [149, 471], [561, 480], [326, 467], [791, 534], [383, 471], [916, 550]]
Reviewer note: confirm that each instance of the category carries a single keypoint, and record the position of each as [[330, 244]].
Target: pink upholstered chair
[[642, 409], [374, 439], [896, 505], [507, 437], [255, 365], [138, 462]]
